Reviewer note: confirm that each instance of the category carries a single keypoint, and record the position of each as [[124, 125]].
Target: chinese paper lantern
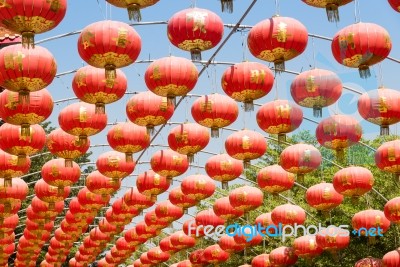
[[228, 244], [283, 256], [395, 4], [369, 262], [261, 260], [214, 254], [223, 209], [8, 225], [246, 145], [113, 165], [80, 119], [316, 89], [361, 45], [101, 185], [155, 222], [208, 217], [167, 211], [122, 245], [9, 209], [50, 194], [265, 220], [109, 45], [198, 186], [67, 146], [56, 174], [248, 238], [364, 220], [246, 82], [274, 179], [288, 214], [246, 198], [109, 228], [190, 228], [17, 191], [98, 236], [120, 208], [151, 184], [133, 7], [353, 181], [91, 200], [62, 237], [188, 139], [138, 263], [150, 110], [43, 208], [137, 200], [332, 7], [128, 138], [79, 211], [380, 107], [178, 198], [34, 111], [156, 255], [392, 210], [392, 258], [279, 117], [37, 229], [387, 157], [169, 163], [300, 159], [277, 40], [338, 132], [214, 111], [223, 168], [166, 246], [90, 86], [195, 30], [306, 247], [197, 257], [171, 76], [323, 197], [9, 167]]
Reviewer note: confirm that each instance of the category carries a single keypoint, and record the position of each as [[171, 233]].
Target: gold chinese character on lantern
[[199, 20], [378, 221], [242, 197], [200, 184], [226, 165], [291, 214], [346, 41], [86, 36], [163, 210], [215, 253], [12, 61], [382, 107], [164, 104], [283, 111], [156, 179], [257, 76], [281, 35], [345, 179], [395, 210], [13, 160], [307, 155], [330, 128], [182, 137], [156, 73], [80, 79], [327, 194], [54, 171], [55, 5], [83, 114], [110, 82], [113, 161], [4, 4], [12, 102], [246, 144], [311, 87], [122, 39], [177, 160], [206, 106], [117, 133]]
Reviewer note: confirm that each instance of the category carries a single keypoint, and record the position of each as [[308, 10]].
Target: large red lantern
[[279, 117], [380, 107], [169, 163], [91, 200], [288, 214], [223, 209], [246, 82], [316, 88], [246, 145], [67, 146], [392, 210], [148, 109], [113, 165], [277, 40], [56, 174], [283, 256], [274, 179], [353, 181], [223, 168], [392, 258], [366, 220], [228, 244], [9, 167], [214, 111], [246, 198], [198, 186], [214, 254], [195, 30], [90, 86], [306, 247], [128, 138], [109, 45], [133, 7], [369, 262], [137, 200], [323, 197], [151, 184], [395, 4], [188, 139], [102, 185], [261, 260], [181, 241], [167, 211], [171, 76], [338, 132], [300, 159], [361, 45], [331, 6], [178, 198], [80, 119], [387, 157]]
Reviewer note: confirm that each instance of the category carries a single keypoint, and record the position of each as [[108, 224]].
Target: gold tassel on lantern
[[150, 129], [279, 65], [227, 5], [28, 40], [100, 108], [129, 157], [317, 112], [134, 12], [214, 132], [111, 72], [195, 54], [68, 163], [332, 12], [340, 155], [384, 129], [248, 105], [364, 71]]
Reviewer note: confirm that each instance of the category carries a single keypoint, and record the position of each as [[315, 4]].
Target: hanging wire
[[277, 8], [276, 86], [313, 52], [244, 45], [101, 9], [380, 75], [356, 11]]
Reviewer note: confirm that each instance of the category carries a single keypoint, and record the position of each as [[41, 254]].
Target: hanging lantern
[[150, 110], [246, 198], [353, 181], [8, 209], [392, 210], [195, 30], [392, 258], [151, 184], [34, 111], [214, 254], [67, 146], [208, 217], [102, 185], [56, 174], [265, 220], [90, 86], [323, 197], [306, 247], [109, 45], [120, 208], [113, 165], [283, 256], [288, 214], [361, 45], [166, 246], [134, 198], [387, 157], [128, 138], [9, 167], [42, 208], [80, 119], [395, 4], [8, 225], [167, 211], [369, 262], [338, 132], [197, 257], [228, 244], [50, 194], [188, 139], [261, 260], [246, 145], [363, 221], [214, 111], [194, 231], [171, 77], [332, 7], [156, 255], [223, 168], [133, 7], [198, 186], [91, 200], [246, 82], [277, 40], [178, 198], [169, 163], [9, 194], [180, 240], [300, 159], [109, 228], [274, 179], [154, 222], [380, 107], [279, 117], [223, 209]]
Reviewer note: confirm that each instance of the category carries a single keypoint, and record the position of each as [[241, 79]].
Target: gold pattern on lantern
[[86, 36], [55, 171], [283, 111], [157, 179], [257, 76], [12, 101], [99, 97], [55, 5], [4, 4], [382, 107], [378, 221], [242, 197], [11, 61], [218, 123], [182, 137], [226, 165], [315, 101], [248, 94], [278, 53], [80, 79], [337, 144], [187, 150], [83, 131], [200, 184], [199, 20], [129, 148], [311, 87], [395, 210], [246, 155], [117, 133], [391, 154], [122, 39], [327, 194], [246, 143], [347, 41], [281, 35], [30, 118], [36, 24], [83, 114], [291, 214], [330, 128], [156, 76], [171, 90], [113, 161], [307, 155], [312, 244], [110, 58], [215, 253], [177, 160], [206, 106], [195, 44], [345, 179], [26, 83]]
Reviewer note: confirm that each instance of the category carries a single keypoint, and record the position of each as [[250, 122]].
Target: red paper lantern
[[171, 76], [279, 117], [392, 210], [167, 211], [392, 258], [155, 222], [369, 262], [353, 181], [288, 214], [277, 40], [261, 260], [274, 179], [223, 209], [9, 167], [265, 220], [395, 4], [56, 174], [223, 168], [306, 247], [50, 194], [246, 145], [138, 263], [169, 163], [198, 186], [134, 198], [109, 45], [195, 30], [102, 185], [188, 139], [109, 228], [246, 198], [156, 255], [148, 109], [181, 241], [364, 220], [246, 82], [197, 257], [113, 165], [195, 231], [361, 45], [316, 88], [91, 200], [98, 236], [208, 217], [8, 224], [323, 197], [214, 111], [133, 7], [151, 184], [214, 254], [283, 256], [90, 86], [332, 7], [178, 198], [166, 246], [62, 237], [42, 208], [228, 244], [122, 245], [128, 138], [17, 191], [133, 238], [120, 208], [38, 229], [387, 157], [380, 107]]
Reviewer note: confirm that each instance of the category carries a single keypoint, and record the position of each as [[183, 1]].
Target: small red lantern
[[392, 210], [361, 45], [283, 256], [50, 194], [279, 117], [369, 262], [223, 168], [56, 174], [190, 228], [166, 246], [395, 4], [228, 244], [8, 224], [9, 167], [223, 209], [42, 208], [214, 254], [208, 217], [113, 165], [17, 191], [198, 186], [246, 145], [7, 210], [353, 181], [134, 198], [215, 111], [109, 228], [323, 197], [274, 179], [91, 200], [133, 238], [246, 82], [387, 157], [151, 184], [261, 260], [288, 214], [306, 247], [392, 258], [188, 139], [148, 109], [246, 198], [265, 220], [332, 7], [102, 185], [90, 86], [364, 220], [169, 163], [109, 45], [195, 30], [155, 222], [197, 257], [178, 198], [167, 211], [181, 241], [133, 7], [156, 255]]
